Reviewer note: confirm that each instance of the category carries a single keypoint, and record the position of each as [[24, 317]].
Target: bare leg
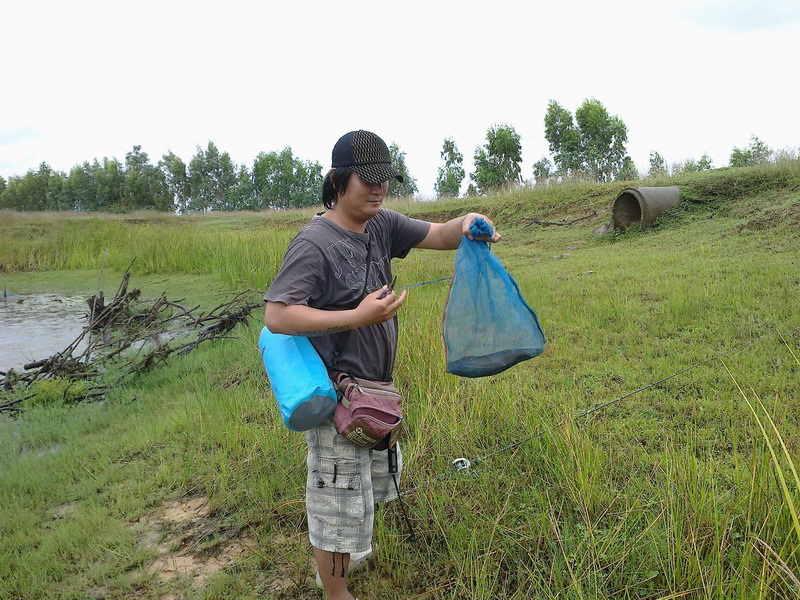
[[332, 567]]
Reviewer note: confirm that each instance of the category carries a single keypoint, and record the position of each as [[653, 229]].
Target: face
[[361, 201]]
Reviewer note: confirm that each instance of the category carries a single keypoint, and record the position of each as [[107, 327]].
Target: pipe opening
[[627, 211]]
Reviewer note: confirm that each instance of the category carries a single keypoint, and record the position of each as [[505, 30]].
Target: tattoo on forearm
[[316, 332]]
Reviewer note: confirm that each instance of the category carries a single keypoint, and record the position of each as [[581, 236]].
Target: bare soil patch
[[189, 541]]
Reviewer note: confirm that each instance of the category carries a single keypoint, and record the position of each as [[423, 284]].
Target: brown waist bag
[[368, 413]]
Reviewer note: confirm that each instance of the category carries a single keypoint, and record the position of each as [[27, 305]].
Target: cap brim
[[376, 173]]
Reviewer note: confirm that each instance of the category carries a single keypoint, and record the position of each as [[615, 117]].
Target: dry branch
[[128, 336], [579, 219]]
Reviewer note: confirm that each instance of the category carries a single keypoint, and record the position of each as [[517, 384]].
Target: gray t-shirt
[[325, 267]]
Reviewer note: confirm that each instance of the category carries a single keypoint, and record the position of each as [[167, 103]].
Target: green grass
[[238, 252], [676, 492]]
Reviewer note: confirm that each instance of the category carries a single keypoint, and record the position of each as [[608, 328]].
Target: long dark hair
[[335, 183]]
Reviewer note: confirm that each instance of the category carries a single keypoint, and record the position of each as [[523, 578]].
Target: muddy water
[[37, 326]]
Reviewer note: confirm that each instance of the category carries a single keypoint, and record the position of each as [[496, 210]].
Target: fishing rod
[[464, 465]]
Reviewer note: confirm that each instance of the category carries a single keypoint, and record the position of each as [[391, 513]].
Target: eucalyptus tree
[[409, 185], [497, 163], [82, 187], [26, 192], [145, 184], [110, 180], [542, 170], [627, 171], [658, 166], [603, 140], [280, 180], [40, 189], [212, 177], [563, 138], [592, 144], [756, 152], [242, 195], [451, 173], [690, 165], [176, 177]]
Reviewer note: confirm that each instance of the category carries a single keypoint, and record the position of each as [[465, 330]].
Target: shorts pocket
[[334, 492]]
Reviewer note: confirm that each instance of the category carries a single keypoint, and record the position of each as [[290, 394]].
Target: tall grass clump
[[238, 257], [736, 183], [779, 554]]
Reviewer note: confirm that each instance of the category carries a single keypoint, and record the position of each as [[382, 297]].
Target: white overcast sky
[[84, 80]]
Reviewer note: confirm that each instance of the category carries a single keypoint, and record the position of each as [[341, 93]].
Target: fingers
[[495, 237], [381, 305], [378, 294], [390, 299], [393, 303], [397, 301]]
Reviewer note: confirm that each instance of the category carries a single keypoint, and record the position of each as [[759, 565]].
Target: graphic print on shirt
[[348, 265]]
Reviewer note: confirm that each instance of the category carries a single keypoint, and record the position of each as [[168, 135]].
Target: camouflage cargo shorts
[[344, 483]]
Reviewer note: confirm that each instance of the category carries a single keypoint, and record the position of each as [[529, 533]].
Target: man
[[333, 287]]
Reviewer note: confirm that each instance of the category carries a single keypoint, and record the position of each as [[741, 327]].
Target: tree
[[594, 143], [497, 163], [110, 180], [757, 152], [658, 166], [542, 169], [82, 187], [563, 138], [628, 171], [243, 196], [282, 181], [176, 178], [36, 190], [690, 165], [705, 163], [603, 139], [145, 185], [20, 193], [212, 176], [409, 185], [58, 197], [451, 173]]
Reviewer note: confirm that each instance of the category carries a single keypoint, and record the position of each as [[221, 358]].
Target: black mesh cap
[[367, 155]]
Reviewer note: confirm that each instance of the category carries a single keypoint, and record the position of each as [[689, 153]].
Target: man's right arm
[[302, 320]]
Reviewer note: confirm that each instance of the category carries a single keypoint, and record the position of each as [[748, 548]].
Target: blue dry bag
[[488, 326], [304, 392]]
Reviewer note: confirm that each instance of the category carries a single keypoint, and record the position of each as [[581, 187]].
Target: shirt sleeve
[[406, 233], [301, 279]]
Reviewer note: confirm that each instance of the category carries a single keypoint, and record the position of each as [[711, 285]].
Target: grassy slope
[[668, 492]]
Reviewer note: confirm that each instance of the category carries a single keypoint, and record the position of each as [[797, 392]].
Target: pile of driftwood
[[125, 337]]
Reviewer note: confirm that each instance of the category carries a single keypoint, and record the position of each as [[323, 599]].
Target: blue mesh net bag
[[488, 326]]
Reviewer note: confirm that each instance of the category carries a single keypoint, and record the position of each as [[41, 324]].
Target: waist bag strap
[[343, 337]]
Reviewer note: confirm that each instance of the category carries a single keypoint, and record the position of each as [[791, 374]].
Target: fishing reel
[[463, 464]]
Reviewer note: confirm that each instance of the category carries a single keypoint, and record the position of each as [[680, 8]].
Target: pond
[[36, 326]]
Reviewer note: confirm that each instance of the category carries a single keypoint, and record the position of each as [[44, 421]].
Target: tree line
[[210, 181], [591, 145]]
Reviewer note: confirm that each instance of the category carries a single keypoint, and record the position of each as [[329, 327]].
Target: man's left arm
[[447, 236]]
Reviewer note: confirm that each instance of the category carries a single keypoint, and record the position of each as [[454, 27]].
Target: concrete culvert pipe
[[643, 205]]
